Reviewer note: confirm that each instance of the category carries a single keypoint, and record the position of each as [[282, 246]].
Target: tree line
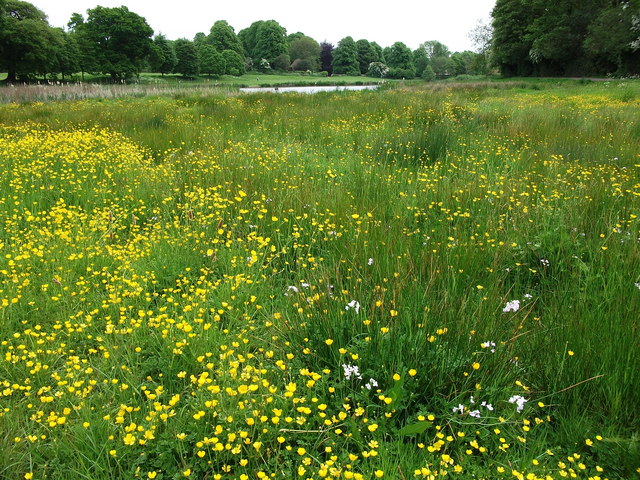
[[120, 43], [525, 37], [568, 37]]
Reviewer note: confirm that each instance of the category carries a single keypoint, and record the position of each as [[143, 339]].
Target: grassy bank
[[415, 283]]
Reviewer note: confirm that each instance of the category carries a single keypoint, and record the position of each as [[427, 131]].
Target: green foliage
[[27, 43], [609, 42], [345, 57], [511, 44], [399, 59], [223, 37], [366, 54], [281, 63], [248, 37], [270, 42], [162, 57], [420, 60], [569, 37], [118, 38], [187, 57], [211, 62], [233, 63], [66, 55], [428, 74], [304, 53]]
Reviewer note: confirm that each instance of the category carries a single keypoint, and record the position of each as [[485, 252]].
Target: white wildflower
[[475, 413], [370, 261], [371, 383], [512, 306], [353, 304], [519, 400], [291, 288], [351, 371], [490, 345], [458, 409]]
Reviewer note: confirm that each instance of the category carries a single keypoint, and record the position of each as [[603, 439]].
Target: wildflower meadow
[[413, 283]]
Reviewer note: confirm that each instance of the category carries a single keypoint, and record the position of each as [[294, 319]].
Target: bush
[[377, 70], [402, 73], [428, 74]]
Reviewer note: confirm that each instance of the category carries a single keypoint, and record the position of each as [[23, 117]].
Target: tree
[[162, 57], [223, 37], [233, 63], [366, 54], [481, 36], [281, 62], [118, 38], [66, 56], [248, 37], [27, 42], [326, 57], [511, 43], [294, 36], [377, 70], [420, 60], [271, 41], [210, 62], [399, 59], [345, 57], [199, 39], [464, 62], [187, 56], [378, 49], [439, 58], [434, 48], [305, 54], [610, 37], [87, 59]]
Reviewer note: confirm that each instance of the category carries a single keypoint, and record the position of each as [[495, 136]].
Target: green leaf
[[414, 428]]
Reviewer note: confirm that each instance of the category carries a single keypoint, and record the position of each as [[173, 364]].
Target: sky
[[410, 21]]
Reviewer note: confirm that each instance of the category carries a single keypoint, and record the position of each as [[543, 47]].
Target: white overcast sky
[[386, 22]]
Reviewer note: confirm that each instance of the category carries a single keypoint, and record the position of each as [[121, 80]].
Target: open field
[[420, 282]]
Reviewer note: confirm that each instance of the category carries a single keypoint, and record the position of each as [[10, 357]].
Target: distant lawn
[[254, 79]]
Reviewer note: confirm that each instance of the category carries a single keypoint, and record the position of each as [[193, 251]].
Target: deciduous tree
[[162, 57], [271, 41], [210, 61], [223, 37], [304, 53], [118, 38], [345, 57], [27, 42], [187, 56], [366, 54]]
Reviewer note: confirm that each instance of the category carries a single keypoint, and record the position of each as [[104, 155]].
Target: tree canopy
[[566, 37], [304, 53], [345, 57], [27, 42], [117, 39], [223, 37]]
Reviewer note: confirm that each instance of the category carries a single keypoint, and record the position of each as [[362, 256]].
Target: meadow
[[440, 280]]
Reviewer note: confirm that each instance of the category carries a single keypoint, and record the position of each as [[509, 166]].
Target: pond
[[308, 88]]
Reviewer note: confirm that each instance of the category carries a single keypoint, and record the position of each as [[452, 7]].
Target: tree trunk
[[11, 77]]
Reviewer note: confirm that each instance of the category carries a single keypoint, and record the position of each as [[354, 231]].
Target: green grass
[[187, 278]]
